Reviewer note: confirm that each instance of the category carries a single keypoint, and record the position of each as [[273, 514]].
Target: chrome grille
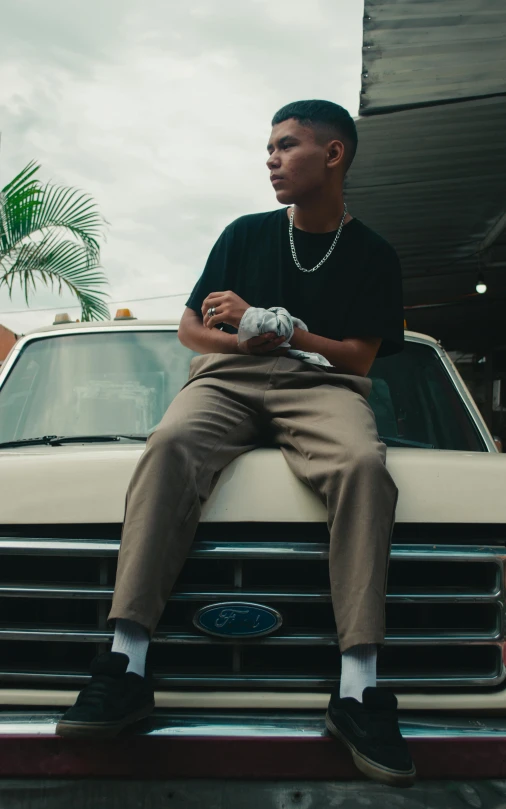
[[444, 610]]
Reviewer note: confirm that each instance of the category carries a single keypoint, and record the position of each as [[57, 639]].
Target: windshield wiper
[[91, 439], [59, 440], [26, 442], [404, 442]]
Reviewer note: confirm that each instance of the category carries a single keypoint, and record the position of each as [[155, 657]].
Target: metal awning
[[419, 52], [430, 173]]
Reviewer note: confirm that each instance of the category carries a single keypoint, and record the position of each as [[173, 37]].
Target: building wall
[[7, 340]]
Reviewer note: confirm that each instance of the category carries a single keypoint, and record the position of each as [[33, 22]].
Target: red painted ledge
[[158, 757]]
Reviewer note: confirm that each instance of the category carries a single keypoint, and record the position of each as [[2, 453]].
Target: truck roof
[[126, 323], [134, 323]]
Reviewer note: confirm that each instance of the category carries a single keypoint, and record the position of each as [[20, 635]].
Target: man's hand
[[229, 309], [263, 344]]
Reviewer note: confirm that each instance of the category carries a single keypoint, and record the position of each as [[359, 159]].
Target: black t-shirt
[[357, 292]]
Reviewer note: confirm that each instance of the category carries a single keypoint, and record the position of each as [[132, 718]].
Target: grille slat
[[266, 549], [55, 591], [444, 611], [187, 638], [105, 593], [68, 680], [230, 550]]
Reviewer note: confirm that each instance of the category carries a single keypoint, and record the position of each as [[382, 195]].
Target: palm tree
[[49, 233]]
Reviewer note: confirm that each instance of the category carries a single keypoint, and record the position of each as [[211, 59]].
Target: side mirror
[[498, 442]]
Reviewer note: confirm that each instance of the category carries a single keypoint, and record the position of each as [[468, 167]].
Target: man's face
[[297, 163]]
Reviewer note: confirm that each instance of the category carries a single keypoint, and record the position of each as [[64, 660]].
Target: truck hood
[[87, 484]]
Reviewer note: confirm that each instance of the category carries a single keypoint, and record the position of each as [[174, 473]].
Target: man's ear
[[335, 153]]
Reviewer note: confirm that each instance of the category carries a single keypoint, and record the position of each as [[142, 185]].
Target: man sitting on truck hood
[[289, 314]]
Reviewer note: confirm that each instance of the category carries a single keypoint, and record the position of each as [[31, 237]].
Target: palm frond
[[22, 178], [30, 206], [35, 221], [18, 201], [57, 263]]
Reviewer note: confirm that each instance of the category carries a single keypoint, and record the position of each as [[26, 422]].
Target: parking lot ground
[[218, 794]]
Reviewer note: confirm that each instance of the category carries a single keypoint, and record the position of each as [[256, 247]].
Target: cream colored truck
[[249, 631]]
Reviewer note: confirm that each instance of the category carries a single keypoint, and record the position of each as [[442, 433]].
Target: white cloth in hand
[[279, 321]]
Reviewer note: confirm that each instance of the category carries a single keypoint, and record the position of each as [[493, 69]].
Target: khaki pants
[[324, 427]]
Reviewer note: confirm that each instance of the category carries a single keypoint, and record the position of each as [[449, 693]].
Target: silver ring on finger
[[212, 311]]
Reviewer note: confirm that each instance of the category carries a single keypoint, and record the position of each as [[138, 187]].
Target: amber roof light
[[64, 318], [124, 314]]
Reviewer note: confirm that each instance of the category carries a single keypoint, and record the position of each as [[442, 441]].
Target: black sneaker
[[371, 731], [112, 700]]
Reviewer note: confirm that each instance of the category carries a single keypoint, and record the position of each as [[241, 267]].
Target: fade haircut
[[329, 121]]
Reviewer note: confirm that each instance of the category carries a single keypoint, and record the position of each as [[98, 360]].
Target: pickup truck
[[77, 401]]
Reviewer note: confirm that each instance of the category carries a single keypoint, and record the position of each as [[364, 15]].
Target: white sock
[[131, 639], [358, 670]]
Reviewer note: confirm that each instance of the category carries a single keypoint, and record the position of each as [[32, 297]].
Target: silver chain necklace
[[325, 257]]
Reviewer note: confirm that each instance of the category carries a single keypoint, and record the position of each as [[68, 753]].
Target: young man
[[290, 312]]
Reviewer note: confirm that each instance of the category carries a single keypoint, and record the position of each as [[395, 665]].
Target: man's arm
[[349, 356], [209, 340], [193, 334]]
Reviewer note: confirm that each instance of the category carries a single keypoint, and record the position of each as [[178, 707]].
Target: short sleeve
[[216, 273], [377, 310]]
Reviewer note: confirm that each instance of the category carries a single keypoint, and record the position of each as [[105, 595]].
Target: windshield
[[415, 400], [92, 384], [123, 381]]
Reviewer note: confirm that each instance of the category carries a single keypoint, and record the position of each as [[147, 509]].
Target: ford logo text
[[237, 619]]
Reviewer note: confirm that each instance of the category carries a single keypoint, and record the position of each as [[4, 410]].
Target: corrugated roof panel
[[425, 52], [432, 181]]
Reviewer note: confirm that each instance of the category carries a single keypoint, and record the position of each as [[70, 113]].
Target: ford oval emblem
[[237, 619]]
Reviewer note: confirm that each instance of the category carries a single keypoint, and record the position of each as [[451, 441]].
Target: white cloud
[[162, 111]]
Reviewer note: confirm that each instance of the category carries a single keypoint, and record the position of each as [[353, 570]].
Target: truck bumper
[[248, 745]]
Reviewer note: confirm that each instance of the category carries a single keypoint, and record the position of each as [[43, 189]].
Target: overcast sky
[[161, 110]]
